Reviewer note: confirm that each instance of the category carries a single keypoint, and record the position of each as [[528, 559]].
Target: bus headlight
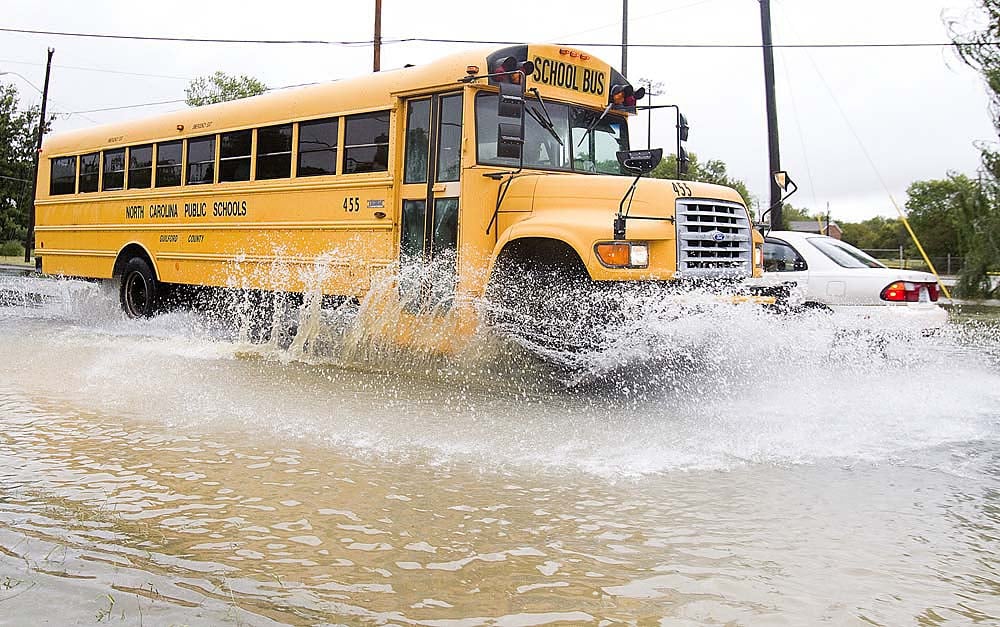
[[640, 255], [623, 254]]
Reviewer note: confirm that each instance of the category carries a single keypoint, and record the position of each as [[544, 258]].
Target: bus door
[[428, 246]]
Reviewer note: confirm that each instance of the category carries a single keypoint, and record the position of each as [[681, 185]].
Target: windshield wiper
[[590, 129], [547, 125]]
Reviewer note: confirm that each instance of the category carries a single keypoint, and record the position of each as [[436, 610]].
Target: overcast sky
[[915, 111]]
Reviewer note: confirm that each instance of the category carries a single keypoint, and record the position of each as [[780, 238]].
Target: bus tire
[[139, 289], [543, 304]]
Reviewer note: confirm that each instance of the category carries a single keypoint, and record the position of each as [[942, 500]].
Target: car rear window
[[844, 254]]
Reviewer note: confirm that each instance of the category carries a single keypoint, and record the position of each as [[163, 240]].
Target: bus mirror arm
[[787, 185], [500, 195], [639, 162], [621, 217]]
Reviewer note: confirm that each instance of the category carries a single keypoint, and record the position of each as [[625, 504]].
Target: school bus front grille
[[713, 239]]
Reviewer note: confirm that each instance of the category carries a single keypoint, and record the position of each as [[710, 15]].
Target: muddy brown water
[[164, 472]]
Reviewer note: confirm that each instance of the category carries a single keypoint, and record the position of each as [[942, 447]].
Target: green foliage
[[791, 214], [11, 249], [18, 133], [221, 87], [877, 232], [979, 228], [979, 232], [712, 171], [933, 209]]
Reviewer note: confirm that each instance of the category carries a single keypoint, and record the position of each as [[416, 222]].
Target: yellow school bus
[[514, 157]]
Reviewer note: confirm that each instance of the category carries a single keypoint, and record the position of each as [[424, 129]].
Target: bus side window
[[317, 147], [366, 142], [140, 166], [114, 170], [274, 152], [168, 164], [201, 160], [90, 172], [450, 138], [234, 156], [63, 179], [418, 132]]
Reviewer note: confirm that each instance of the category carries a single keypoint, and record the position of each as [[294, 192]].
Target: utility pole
[[377, 62], [29, 238], [625, 38], [652, 89], [774, 159]]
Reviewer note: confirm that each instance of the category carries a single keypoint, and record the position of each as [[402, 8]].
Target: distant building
[[816, 226]]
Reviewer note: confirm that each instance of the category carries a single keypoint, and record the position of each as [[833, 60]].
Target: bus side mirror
[[682, 161], [682, 127], [510, 141], [639, 161], [510, 111], [511, 101], [782, 180]]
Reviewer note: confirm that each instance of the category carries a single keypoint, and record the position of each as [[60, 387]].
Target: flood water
[[736, 468]]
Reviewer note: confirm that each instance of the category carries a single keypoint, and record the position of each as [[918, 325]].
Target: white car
[[834, 275]]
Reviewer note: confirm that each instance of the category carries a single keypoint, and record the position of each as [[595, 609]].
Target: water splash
[[662, 385]]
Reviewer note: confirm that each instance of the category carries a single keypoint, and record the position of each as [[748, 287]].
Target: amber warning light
[[506, 70]]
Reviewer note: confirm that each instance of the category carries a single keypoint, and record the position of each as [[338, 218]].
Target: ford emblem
[[719, 237]]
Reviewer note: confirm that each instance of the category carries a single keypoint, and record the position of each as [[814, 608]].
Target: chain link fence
[[946, 265]]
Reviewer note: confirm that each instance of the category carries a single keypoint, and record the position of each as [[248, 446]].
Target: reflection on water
[[162, 472]]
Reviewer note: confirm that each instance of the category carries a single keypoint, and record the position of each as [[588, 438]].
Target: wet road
[[164, 472]]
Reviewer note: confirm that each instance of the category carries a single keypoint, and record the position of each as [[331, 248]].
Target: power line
[[22, 77], [636, 18], [366, 42], [131, 106], [95, 69], [916, 44], [35, 87], [12, 178], [187, 39], [162, 102]]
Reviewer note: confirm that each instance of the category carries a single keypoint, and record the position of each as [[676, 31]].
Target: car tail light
[[909, 292]]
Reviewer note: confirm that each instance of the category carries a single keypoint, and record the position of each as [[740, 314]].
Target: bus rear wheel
[[139, 289]]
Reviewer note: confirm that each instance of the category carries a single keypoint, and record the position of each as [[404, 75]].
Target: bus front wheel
[[138, 289]]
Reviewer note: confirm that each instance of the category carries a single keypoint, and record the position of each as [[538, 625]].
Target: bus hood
[[693, 229], [604, 193]]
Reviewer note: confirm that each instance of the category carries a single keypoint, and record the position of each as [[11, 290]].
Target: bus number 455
[[352, 204]]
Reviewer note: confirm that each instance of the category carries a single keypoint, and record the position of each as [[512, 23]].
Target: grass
[[17, 261], [976, 314]]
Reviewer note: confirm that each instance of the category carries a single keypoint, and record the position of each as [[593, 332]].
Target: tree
[[934, 211], [712, 171], [874, 233], [221, 87], [18, 134], [791, 214], [979, 225]]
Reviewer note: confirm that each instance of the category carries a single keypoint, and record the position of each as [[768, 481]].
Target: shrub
[[11, 249]]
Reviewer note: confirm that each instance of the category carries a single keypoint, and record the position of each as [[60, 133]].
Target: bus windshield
[[568, 148]]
